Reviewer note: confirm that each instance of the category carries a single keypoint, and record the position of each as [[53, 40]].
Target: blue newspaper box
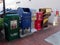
[[25, 15]]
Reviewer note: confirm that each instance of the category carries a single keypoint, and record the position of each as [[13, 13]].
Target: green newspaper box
[[1, 23], [11, 24]]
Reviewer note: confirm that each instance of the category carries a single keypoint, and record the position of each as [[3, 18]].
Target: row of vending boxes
[[19, 25]]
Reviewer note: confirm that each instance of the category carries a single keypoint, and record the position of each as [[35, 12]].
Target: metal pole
[[4, 8]]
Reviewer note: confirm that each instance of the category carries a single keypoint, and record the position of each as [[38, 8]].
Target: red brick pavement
[[36, 38]]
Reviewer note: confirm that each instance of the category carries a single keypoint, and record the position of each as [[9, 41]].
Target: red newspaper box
[[38, 24], [39, 15], [57, 13]]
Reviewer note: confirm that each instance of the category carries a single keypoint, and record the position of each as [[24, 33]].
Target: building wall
[[34, 4], [54, 4]]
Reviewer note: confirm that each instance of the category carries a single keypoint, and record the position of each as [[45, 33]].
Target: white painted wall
[[40, 3], [35, 4], [54, 4]]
